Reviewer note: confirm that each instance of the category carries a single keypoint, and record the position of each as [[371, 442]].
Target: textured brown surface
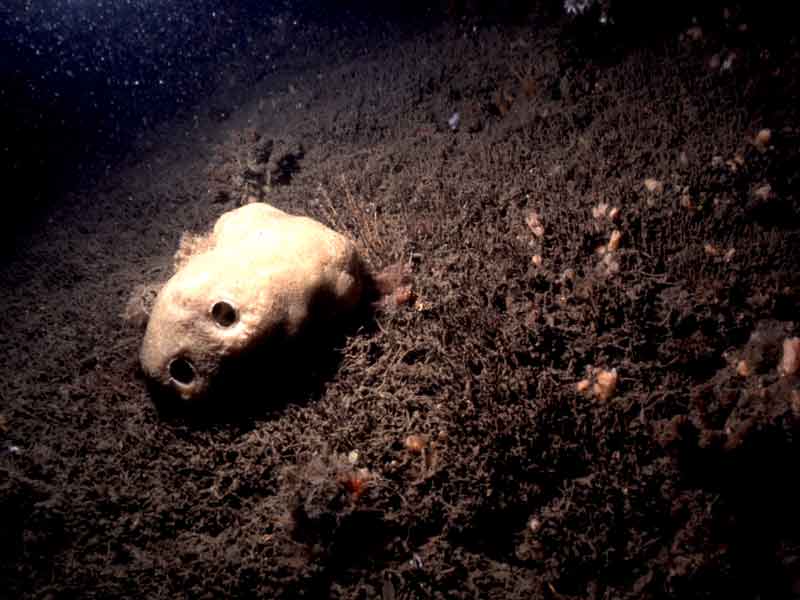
[[471, 440]]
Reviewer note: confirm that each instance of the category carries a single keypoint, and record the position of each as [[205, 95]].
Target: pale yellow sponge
[[260, 276]]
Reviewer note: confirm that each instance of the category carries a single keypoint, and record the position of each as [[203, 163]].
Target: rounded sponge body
[[260, 275]]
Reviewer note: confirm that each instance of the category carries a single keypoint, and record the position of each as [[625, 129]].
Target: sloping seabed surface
[[597, 216]]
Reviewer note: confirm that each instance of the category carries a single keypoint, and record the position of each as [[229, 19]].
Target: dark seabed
[[584, 384]]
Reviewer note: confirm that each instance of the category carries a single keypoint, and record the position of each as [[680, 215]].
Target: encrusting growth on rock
[[604, 386], [415, 443], [790, 360], [654, 186], [762, 140]]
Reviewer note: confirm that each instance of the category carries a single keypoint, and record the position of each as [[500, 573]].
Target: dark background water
[[80, 78]]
